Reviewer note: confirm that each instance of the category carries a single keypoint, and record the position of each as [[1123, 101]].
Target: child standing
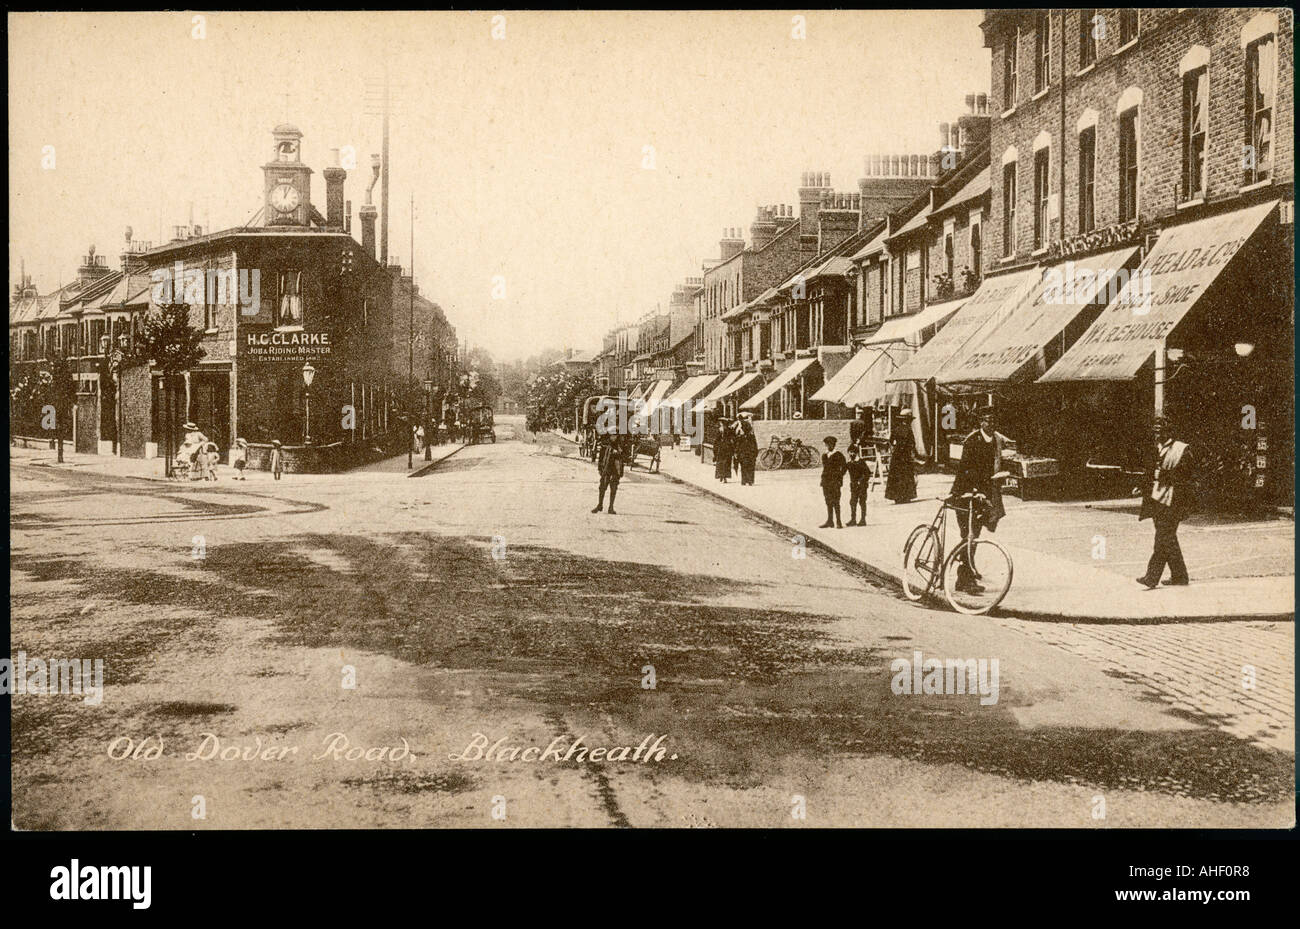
[[277, 459], [833, 468], [240, 461], [859, 476]]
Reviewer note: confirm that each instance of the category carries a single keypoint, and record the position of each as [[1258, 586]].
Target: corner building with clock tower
[[299, 331]]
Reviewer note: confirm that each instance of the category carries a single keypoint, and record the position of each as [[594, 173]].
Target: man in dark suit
[[1166, 501], [981, 456], [610, 459]]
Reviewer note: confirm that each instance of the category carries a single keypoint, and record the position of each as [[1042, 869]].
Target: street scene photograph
[[666, 420]]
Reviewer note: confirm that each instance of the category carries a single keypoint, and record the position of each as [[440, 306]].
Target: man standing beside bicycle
[[981, 457]]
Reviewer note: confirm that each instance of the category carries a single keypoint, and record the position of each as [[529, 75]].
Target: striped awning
[[781, 380]]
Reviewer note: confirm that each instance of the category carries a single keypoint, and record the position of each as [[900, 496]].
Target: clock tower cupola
[[288, 181]]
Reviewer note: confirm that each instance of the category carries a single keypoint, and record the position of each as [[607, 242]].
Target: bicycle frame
[[940, 525]]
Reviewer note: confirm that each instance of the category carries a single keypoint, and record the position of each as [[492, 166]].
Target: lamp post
[[308, 374]]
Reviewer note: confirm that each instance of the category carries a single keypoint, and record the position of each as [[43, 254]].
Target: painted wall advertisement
[[287, 346]]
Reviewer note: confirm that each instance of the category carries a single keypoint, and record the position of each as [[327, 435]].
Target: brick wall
[[1152, 65]]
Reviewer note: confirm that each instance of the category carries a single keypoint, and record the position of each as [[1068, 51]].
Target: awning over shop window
[[995, 297], [1015, 348], [656, 395], [908, 328], [785, 377], [1175, 274], [637, 391], [740, 383], [720, 390], [862, 382], [690, 389]]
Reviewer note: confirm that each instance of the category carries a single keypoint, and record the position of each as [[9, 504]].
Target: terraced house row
[[1107, 236], [307, 338]]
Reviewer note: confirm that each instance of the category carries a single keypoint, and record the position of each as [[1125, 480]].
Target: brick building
[[1153, 148], [290, 300]]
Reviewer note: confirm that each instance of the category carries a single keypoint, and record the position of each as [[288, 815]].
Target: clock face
[[284, 198]]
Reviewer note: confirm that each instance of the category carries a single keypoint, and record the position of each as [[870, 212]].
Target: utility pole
[[410, 345]]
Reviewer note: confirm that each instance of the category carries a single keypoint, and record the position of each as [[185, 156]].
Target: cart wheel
[[769, 459]]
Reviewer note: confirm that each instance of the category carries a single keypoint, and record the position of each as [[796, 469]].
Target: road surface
[[371, 650]]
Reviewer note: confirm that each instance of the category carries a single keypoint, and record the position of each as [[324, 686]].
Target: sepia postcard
[[722, 419]]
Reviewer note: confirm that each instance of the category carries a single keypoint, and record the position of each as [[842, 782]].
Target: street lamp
[[308, 375]]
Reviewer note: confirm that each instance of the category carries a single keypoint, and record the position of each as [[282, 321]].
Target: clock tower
[[288, 181]]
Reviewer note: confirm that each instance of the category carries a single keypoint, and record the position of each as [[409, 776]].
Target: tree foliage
[[552, 396]]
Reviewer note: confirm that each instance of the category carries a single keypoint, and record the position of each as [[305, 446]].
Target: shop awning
[[637, 391], [908, 328], [861, 382], [690, 389], [721, 390], [796, 369], [1017, 347], [995, 297], [1175, 274], [656, 395]]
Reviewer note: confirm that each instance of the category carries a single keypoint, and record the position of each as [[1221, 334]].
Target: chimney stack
[[731, 244], [763, 229], [334, 177], [814, 185], [369, 212]]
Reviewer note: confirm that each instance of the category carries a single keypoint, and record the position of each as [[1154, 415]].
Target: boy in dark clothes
[[833, 468], [859, 476]]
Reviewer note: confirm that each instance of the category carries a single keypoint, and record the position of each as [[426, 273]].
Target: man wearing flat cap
[[1166, 503]]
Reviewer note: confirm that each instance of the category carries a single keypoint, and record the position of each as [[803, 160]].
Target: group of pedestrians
[[735, 448], [900, 478]]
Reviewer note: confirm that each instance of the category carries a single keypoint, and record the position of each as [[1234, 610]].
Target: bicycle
[[926, 567], [783, 452]]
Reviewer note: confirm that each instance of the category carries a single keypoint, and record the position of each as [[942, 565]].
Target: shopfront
[[1203, 334]]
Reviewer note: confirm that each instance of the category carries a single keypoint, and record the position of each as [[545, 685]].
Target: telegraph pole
[[410, 342]]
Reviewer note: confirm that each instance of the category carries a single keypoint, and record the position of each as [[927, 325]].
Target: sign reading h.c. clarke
[[287, 346]]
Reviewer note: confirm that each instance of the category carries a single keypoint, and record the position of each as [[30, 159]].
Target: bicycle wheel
[[921, 555], [805, 457], [992, 577], [769, 459]]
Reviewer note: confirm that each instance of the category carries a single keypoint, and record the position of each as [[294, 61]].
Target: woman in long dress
[[746, 450], [901, 484], [722, 450]]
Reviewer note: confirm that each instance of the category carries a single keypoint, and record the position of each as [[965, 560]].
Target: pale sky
[[524, 154]]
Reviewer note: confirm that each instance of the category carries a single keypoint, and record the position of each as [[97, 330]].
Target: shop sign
[[287, 346], [1175, 274]]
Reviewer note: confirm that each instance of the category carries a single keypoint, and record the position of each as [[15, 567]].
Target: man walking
[[981, 457], [610, 459], [833, 468], [1166, 502]]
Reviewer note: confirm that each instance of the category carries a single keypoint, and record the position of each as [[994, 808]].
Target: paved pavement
[[152, 468], [1072, 561], [1196, 667], [485, 598]]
